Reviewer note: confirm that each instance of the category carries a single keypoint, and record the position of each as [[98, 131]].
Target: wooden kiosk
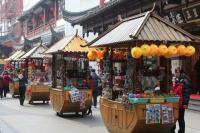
[[38, 87], [14, 65], [70, 70], [136, 84]]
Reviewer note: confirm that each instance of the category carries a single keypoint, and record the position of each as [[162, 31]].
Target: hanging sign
[[192, 13]]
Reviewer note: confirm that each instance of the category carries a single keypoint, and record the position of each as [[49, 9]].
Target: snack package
[[74, 95], [150, 114], [167, 114], [157, 113]]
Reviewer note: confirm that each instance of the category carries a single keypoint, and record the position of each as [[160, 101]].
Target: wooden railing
[[41, 28]]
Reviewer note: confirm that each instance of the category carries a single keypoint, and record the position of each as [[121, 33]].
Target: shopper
[[6, 80], [182, 89], [197, 69], [1, 87], [22, 88], [94, 86]]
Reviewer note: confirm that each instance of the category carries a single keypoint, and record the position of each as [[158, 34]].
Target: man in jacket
[[95, 79], [22, 88], [182, 89]]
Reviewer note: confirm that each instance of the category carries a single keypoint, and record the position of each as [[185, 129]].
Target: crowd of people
[[5, 79]]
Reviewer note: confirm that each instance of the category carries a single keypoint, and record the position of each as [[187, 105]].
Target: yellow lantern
[[190, 50], [145, 50], [172, 51], [154, 49], [136, 52], [181, 50], [90, 55], [163, 50]]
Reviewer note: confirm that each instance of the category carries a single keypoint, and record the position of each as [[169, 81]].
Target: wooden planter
[[37, 93], [14, 88], [61, 102], [118, 119]]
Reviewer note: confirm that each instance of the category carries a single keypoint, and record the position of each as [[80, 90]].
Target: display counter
[[37, 93], [61, 101]]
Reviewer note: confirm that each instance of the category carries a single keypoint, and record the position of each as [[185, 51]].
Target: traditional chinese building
[[44, 19], [10, 29]]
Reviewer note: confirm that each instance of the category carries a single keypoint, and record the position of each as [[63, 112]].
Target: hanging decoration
[[136, 52], [163, 50], [154, 49], [172, 51], [145, 50], [181, 49], [190, 50]]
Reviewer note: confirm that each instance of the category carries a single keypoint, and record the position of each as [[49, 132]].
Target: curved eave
[[79, 17]]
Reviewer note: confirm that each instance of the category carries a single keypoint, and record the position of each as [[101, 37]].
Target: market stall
[[70, 91], [38, 81], [136, 64], [13, 66]]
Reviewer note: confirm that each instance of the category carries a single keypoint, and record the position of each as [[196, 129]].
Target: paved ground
[[41, 119]]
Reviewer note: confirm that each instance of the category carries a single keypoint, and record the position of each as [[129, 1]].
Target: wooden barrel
[[37, 93], [118, 119], [14, 88], [61, 102]]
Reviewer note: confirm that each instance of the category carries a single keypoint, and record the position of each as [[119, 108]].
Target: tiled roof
[[35, 52]]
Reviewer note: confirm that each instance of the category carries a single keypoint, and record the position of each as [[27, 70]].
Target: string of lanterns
[[147, 50], [162, 50]]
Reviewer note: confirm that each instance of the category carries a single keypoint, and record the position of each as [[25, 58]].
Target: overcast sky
[[71, 5]]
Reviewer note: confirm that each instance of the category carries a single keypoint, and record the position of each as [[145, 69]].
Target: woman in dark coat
[[182, 89], [22, 88]]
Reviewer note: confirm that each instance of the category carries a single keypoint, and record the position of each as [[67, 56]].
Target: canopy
[[15, 55], [35, 52], [72, 43], [147, 27]]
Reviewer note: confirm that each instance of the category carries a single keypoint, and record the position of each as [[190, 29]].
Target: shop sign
[[192, 13], [176, 17]]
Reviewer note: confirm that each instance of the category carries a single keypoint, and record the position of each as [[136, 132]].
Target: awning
[[35, 52], [15, 55], [143, 27], [73, 43], [2, 62]]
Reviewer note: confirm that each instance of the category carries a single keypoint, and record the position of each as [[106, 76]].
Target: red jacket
[[178, 90]]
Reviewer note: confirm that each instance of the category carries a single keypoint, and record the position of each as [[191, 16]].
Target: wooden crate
[[118, 119], [14, 88], [61, 102], [37, 93]]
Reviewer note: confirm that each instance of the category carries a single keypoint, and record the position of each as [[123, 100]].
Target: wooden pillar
[[55, 10], [111, 72], [33, 20], [44, 21], [53, 71]]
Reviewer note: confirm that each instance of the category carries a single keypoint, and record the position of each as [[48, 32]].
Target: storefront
[[70, 72], [137, 73]]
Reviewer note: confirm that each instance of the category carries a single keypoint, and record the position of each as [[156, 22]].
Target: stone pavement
[[40, 118]]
